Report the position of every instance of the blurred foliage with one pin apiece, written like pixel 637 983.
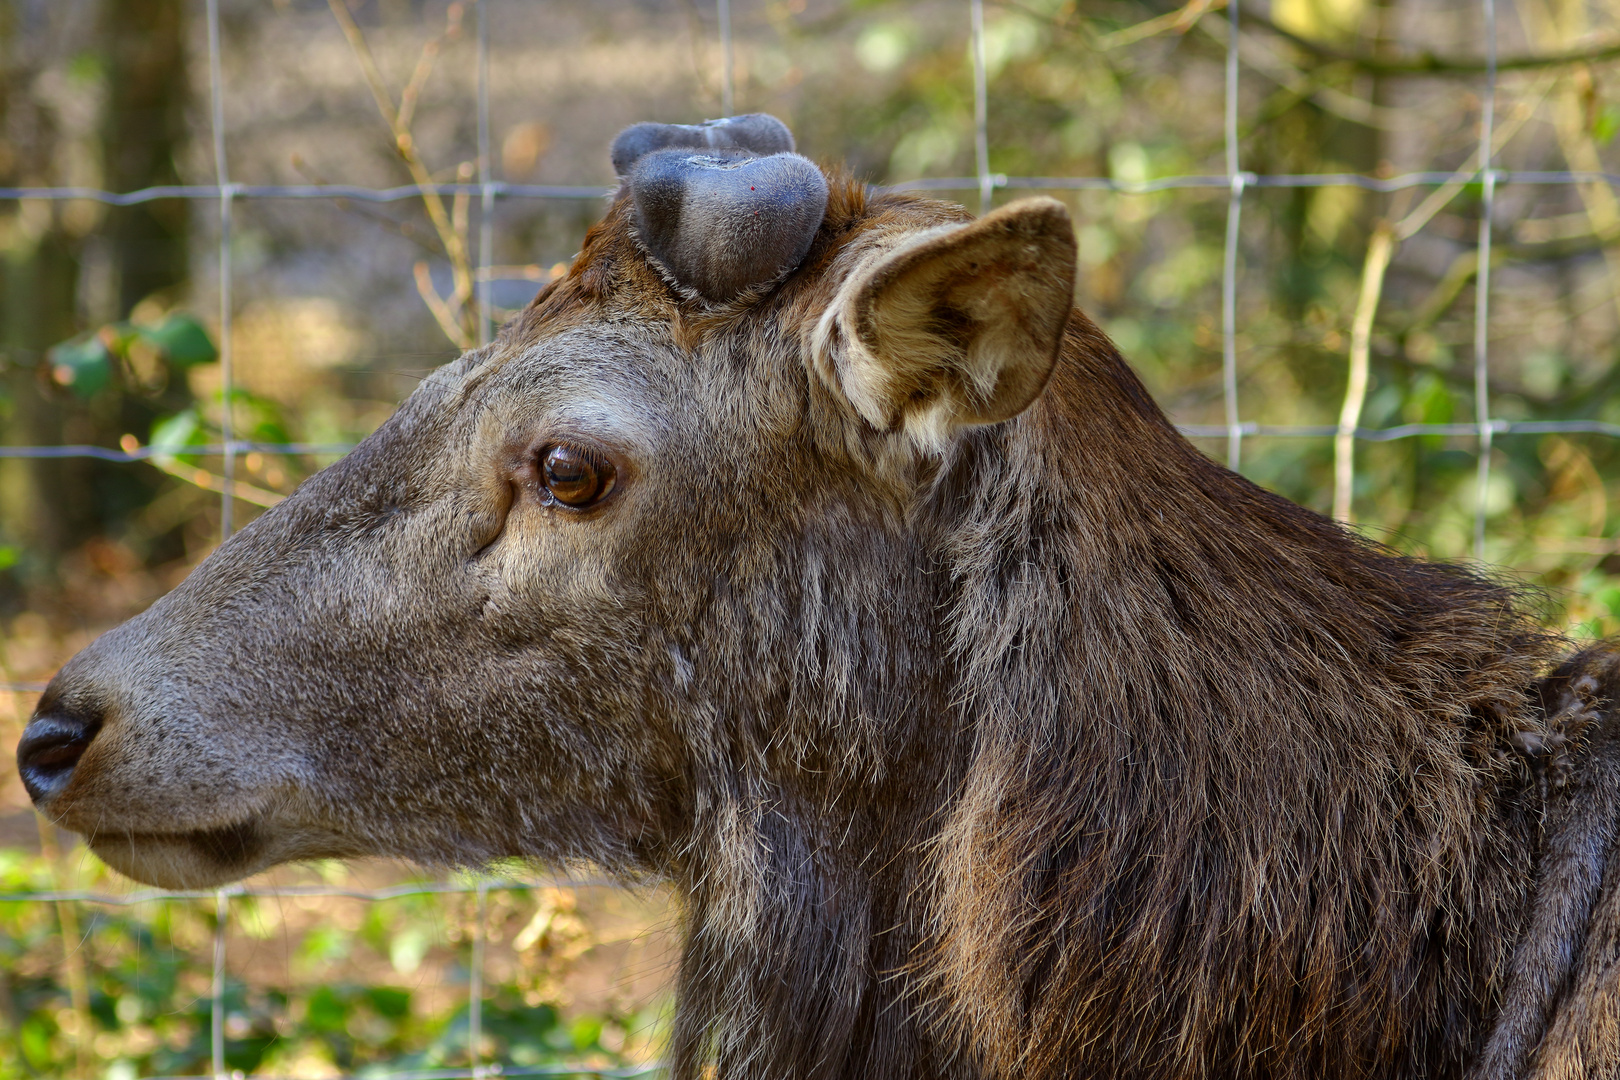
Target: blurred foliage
pixel 1133 91
pixel 143 357
pixel 1127 89
pixel 398 1000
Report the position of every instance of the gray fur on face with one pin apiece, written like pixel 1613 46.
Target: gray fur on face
pixel 724 221
pixel 759 133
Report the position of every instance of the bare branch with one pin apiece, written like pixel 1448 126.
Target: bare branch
pixel 1259 56
pixel 1424 63
pixel 454 243
pixel 206 480
pixel 1428 63
pixel 1181 20
pixel 424 66
pixel 1379 251
pixel 1445 292
pixel 1386 240
pixel 1440 196
pixel 441 312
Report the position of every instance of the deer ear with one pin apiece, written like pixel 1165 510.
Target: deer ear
pixel 958 326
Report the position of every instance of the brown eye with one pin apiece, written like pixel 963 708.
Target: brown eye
pixel 576 476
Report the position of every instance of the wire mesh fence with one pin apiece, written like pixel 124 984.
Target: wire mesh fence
pixel 1235 183
pixel 222 898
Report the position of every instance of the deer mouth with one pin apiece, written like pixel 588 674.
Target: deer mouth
pixel 195 859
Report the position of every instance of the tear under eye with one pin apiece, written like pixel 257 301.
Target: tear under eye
pixel 576 476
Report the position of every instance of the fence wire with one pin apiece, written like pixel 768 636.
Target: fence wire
pixel 1485 429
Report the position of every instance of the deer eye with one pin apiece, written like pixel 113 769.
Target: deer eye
pixel 577 476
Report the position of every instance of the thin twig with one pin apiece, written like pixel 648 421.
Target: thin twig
pixel 424 66
pixel 458 221
pixel 1445 292
pixel 209 482
pixel 1181 20
pixel 1412 223
pixel 454 243
pixel 1262 58
pixel 78 978
pixel 1379 251
pixel 441 312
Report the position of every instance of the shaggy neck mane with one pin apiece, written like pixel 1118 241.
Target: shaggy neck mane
pixel 1229 789
pixel 1197 710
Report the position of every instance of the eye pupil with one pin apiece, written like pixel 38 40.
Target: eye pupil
pixel 576 476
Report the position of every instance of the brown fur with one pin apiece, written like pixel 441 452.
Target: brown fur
pixel 1040 749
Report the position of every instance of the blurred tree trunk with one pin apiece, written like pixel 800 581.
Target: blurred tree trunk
pixel 114 119
pixel 144 129
pixel 39 272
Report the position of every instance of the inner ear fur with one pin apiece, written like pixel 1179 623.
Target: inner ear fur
pixel 959 326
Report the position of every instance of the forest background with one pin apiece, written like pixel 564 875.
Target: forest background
pixel 109 333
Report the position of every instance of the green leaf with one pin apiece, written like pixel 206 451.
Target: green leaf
pixel 82 366
pixel 406 950
pixel 1606 124
pixel 390 1001
pixel 323 944
pixel 1429 401
pixel 585 1031
pixel 182 429
pixel 326 1011
pixel 86 67
pixel 257 419
pixel 118 337
pixel 182 339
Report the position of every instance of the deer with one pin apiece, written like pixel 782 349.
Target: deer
pixel 805 548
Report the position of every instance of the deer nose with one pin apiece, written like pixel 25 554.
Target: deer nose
pixel 51 746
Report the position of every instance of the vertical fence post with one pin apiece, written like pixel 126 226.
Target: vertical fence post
pixel 1482 285
pixel 475 984
pixel 1234 217
pixel 216 86
pixel 981 108
pixel 486 192
pixel 728 88
pixel 222 911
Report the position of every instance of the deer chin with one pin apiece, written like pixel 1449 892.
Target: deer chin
pixel 205 858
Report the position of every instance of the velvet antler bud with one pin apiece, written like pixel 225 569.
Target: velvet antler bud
pixel 724 221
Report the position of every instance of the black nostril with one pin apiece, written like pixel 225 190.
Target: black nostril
pixel 51 746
